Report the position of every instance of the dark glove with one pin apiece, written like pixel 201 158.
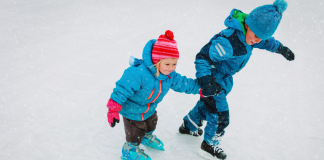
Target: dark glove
pixel 208 86
pixel 286 52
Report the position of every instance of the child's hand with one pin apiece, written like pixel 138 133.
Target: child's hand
pixel 208 86
pixel 212 90
pixel 113 117
pixel 286 52
pixel 113 112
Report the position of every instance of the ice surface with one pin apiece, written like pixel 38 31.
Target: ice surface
pixel 60 60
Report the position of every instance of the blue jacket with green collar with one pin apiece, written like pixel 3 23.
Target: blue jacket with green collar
pixel 139 91
pixel 227 52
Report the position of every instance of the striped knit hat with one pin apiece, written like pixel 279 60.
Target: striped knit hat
pixel 165 47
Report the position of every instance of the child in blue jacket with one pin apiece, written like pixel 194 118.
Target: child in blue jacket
pixel 222 57
pixel 141 88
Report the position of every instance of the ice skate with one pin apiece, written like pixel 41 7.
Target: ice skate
pixel 150 140
pixel 184 130
pixel 211 152
pixel 132 152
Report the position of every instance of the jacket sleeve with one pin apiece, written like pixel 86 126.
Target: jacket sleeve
pixel 203 68
pixel 220 49
pixel 128 84
pixel 270 44
pixel 183 84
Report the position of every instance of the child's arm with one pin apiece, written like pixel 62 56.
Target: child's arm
pixel 203 68
pixel 270 45
pixel 113 112
pixel 219 49
pixel 128 84
pixel 125 87
pixel 208 85
pixel 286 52
pixel 183 84
pixel 274 45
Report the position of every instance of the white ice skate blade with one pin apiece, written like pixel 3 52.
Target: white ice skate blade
pixel 206 155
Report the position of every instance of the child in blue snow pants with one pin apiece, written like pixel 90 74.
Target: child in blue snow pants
pixel 223 56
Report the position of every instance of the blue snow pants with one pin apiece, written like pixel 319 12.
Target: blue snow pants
pixel 216 121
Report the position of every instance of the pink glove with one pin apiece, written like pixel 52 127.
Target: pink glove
pixel 113 112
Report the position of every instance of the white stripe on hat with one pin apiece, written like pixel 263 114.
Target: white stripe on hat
pixel 168 43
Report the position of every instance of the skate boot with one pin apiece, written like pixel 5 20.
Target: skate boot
pixel 184 130
pixel 132 152
pixel 150 140
pixel 212 152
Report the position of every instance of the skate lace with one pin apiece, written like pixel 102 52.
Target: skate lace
pixel 194 133
pixel 217 149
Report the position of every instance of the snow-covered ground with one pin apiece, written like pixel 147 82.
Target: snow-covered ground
pixel 60 59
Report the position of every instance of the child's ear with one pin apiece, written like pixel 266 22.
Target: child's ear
pixel 246 27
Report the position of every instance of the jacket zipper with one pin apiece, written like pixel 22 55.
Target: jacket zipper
pixel 151 94
pixel 149 104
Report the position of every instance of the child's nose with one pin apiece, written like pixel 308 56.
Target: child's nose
pixel 258 40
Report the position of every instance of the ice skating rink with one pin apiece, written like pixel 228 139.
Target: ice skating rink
pixel 59 61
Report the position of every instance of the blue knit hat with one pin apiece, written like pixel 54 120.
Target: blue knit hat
pixel 264 20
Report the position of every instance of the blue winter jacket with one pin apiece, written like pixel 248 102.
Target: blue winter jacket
pixel 227 53
pixel 139 91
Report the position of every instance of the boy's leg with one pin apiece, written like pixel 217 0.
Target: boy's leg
pixel 214 130
pixel 194 119
pixel 210 147
pixel 217 121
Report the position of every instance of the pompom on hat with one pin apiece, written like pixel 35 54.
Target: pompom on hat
pixel 165 47
pixel 264 20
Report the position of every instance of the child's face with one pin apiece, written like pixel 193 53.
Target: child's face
pixel 250 37
pixel 168 65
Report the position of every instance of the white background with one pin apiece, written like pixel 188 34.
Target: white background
pixel 60 59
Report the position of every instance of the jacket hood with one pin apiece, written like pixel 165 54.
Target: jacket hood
pixel 236 20
pixel 147 60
